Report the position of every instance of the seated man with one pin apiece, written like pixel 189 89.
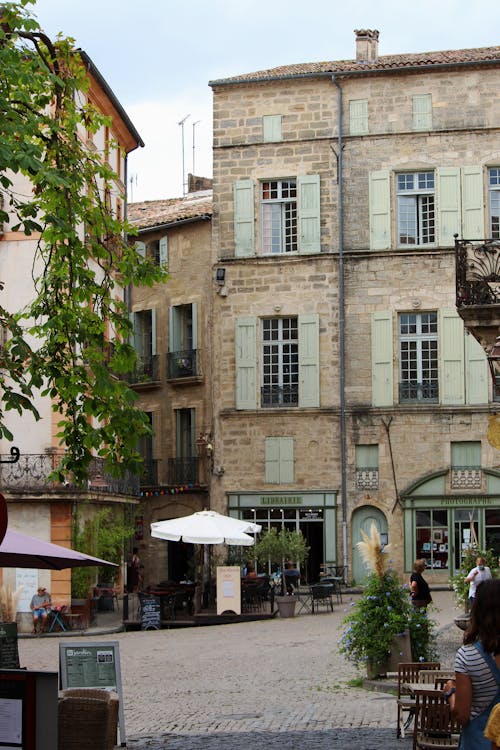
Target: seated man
pixel 40 604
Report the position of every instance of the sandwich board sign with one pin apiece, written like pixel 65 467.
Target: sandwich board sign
pixel 93 665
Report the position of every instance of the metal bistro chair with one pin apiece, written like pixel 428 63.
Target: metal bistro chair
pixel 322 593
pixel 409 672
pixel 435 726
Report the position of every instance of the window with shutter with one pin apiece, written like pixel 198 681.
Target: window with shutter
pixel 271 128
pixel 358 116
pixel 279 460
pixel 422 112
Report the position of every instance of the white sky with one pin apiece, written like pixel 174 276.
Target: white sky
pixel 158 56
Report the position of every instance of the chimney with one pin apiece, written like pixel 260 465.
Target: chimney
pixel 366 45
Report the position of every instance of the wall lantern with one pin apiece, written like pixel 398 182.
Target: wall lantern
pixel 493 358
pixel 203 445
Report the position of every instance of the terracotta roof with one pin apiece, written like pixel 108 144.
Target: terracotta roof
pixel 171 210
pixel 383 63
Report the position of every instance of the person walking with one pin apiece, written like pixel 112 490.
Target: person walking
pixel 476 687
pixel 478 574
pixel 420 592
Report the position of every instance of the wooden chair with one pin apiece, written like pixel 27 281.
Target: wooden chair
pixel 435 727
pixel 436 677
pixel 409 672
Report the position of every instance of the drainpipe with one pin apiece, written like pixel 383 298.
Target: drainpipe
pixel 343 450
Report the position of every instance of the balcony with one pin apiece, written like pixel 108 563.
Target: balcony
pixel 146 372
pixel 182 364
pixel 29 475
pixel 412 392
pixel 477 273
pixel 274 395
pixel 183 470
pixel 466 477
pixel 367 479
pixel 149 474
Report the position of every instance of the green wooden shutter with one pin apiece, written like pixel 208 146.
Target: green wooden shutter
pixel 472 203
pixel 246 363
pixel 286 460
pixel 164 251
pixel 466 454
pixel 272 459
pixel 382 356
pixel 358 116
pixel 449 205
pixel 140 248
pixel 476 372
pixel 194 323
pixel 308 212
pixel 366 456
pixel 380 210
pixel 174 330
pixel 422 112
pixel 451 344
pixel 271 128
pixel 244 242
pixel 153 331
pixel 308 359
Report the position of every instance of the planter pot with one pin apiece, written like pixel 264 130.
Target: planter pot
pixel 286 605
pixel 400 652
pixel 462 621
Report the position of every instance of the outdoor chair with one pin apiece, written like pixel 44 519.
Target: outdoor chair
pixel 435 726
pixel 409 672
pixel 436 677
pixel 87 718
pixel 322 593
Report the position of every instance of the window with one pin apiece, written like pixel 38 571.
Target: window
pixel 466 464
pixel 184 467
pixel 279 460
pixel 358 116
pixel 279 216
pixel 280 362
pixel 422 112
pixel 416 216
pixel 494 187
pixel 183 341
pixel 492 529
pixel 418 361
pixel 144 325
pixel 271 128
pixel 367 467
pixel 149 473
pixel 432 544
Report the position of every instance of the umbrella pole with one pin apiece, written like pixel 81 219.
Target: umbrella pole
pixel 198 589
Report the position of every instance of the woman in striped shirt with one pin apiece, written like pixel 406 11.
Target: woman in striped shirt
pixel 477 668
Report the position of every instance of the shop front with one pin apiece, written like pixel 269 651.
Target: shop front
pixel 440 526
pixel 312 513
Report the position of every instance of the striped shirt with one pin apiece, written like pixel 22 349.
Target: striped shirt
pixel 469 661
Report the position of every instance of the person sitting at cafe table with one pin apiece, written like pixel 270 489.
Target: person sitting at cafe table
pixel 292 577
pixel 250 571
pixel 40 605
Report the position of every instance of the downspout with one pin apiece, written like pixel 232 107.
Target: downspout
pixel 343 442
pixel 126 291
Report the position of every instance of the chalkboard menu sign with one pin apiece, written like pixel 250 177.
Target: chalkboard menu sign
pixel 150 613
pixel 9 654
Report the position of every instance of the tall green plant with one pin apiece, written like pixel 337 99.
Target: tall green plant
pixel 280 546
pixel 468 561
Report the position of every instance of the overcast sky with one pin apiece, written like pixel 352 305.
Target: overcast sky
pixel 159 55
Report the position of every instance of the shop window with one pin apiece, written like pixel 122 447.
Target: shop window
pixel 279 460
pixel 492 530
pixel 432 543
pixel 466 465
pixel 367 467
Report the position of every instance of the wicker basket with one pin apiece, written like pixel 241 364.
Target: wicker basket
pixel 87 718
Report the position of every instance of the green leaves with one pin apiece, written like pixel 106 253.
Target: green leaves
pixel 82 260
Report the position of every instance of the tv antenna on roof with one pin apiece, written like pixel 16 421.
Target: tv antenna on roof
pixel 181 123
pixel 194 125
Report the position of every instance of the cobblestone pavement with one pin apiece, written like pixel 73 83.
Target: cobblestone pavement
pixel 269 684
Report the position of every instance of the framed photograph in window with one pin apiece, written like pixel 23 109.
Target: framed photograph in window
pixel 437 536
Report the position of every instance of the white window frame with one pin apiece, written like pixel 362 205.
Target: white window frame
pixel 279 213
pixel 494 202
pixel 280 362
pixel 417 354
pixel 416 208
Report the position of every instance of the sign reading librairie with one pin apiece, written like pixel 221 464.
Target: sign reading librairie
pixel 93 665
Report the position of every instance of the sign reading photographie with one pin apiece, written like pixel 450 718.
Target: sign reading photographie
pixel 93 665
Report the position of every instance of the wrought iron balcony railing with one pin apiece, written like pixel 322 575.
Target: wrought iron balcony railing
pixel 30 474
pixel 477 272
pixel 367 479
pixel 147 371
pixel 183 470
pixel 412 392
pixel 274 395
pixel 183 364
pixel 466 477
pixel 149 473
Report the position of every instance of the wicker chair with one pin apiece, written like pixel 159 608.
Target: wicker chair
pixel 87 718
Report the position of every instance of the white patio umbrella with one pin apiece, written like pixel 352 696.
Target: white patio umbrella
pixel 206 527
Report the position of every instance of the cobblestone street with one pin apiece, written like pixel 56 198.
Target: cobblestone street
pixel 275 683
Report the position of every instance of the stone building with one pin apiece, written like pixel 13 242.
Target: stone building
pixel 346 389
pixel 172 327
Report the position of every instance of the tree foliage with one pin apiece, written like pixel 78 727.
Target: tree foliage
pixel 60 342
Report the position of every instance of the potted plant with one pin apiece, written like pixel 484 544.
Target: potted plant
pixel 277 547
pixel 383 620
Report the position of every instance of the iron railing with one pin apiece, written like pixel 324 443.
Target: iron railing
pixel 183 470
pixel 410 391
pixel 183 364
pixel 274 395
pixel 147 371
pixel 149 473
pixel 477 272
pixel 30 474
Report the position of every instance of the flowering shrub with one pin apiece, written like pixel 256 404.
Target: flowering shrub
pixel 382 612
pixel 468 561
